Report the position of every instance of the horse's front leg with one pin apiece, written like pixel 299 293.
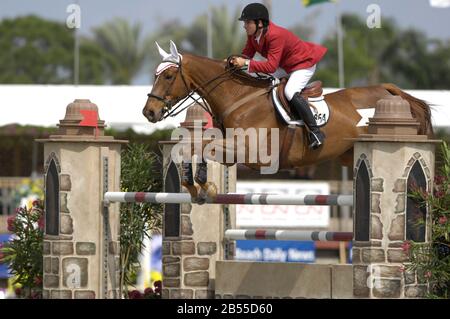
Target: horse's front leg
pixel 208 189
pixel 187 181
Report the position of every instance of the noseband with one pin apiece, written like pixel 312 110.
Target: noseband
pixel 168 103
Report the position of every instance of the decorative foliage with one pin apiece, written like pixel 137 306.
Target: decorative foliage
pixel 138 220
pixel 149 293
pixel 28 191
pixel 24 253
pixel 431 260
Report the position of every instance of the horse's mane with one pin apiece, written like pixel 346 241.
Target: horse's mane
pixel 237 74
pixel 247 79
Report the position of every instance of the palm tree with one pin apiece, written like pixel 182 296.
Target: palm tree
pixel 227 35
pixel 305 29
pixel 126 50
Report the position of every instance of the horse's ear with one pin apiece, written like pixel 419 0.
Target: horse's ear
pixel 163 53
pixel 174 51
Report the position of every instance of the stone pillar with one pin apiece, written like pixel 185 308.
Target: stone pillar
pixel 81 243
pixel 191 248
pixel 383 172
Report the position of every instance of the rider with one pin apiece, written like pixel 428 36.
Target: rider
pixel 282 49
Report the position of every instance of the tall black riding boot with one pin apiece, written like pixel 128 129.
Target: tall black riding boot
pixel 316 137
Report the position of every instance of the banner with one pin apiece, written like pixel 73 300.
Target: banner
pixel 282 216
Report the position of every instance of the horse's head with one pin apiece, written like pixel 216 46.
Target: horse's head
pixel 170 85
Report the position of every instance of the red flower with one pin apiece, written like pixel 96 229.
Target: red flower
pixel 439 194
pixel 439 179
pixel 442 220
pixel 37 280
pixel 10 222
pixel 18 292
pixel 36 202
pixel 428 274
pixel 35 295
pixel 135 294
pixel 406 246
pixel 402 268
pixel 41 222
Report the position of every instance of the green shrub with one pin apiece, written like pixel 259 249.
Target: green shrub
pixel 141 172
pixel 431 261
pixel 23 254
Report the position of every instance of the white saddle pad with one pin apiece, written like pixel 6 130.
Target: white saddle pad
pixel 319 109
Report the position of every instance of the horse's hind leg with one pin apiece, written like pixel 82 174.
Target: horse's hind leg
pixel 346 159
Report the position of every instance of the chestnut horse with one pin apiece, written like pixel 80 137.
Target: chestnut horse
pixel 179 75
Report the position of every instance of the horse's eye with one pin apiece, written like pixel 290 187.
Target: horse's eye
pixel 168 77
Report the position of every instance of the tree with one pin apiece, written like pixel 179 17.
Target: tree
pixel 363 49
pixel 124 47
pixel 420 62
pixel 227 35
pixel 389 54
pixel 169 30
pixel 305 29
pixel 34 50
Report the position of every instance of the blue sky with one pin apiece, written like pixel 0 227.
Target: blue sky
pixel 416 14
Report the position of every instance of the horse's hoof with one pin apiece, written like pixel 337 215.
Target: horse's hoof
pixel 210 189
pixel 202 196
pixel 200 201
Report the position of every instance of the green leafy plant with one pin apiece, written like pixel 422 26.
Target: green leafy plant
pixel 431 260
pixel 138 220
pixel 23 254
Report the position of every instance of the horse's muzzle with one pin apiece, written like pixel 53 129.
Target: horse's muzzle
pixel 150 115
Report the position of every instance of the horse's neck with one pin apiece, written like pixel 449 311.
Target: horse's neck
pixel 220 92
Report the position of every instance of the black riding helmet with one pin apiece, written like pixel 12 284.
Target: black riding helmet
pixel 255 11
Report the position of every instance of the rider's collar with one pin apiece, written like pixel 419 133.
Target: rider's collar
pixel 258 37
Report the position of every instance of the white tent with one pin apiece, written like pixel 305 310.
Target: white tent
pixel 121 106
pixel 44 105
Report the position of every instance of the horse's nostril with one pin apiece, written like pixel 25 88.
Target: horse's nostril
pixel 151 114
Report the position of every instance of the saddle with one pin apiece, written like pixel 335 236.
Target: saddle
pixel 313 89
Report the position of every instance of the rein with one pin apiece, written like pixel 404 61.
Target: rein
pixel 168 104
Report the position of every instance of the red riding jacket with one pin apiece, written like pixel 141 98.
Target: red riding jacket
pixel 282 49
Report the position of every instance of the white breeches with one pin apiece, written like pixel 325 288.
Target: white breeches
pixel 297 79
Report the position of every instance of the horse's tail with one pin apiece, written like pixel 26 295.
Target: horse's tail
pixel 420 109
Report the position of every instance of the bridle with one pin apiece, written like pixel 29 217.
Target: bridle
pixel 169 103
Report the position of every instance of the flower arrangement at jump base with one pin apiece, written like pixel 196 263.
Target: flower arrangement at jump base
pixel 149 293
pixel 23 254
pixel 28 191
pixel 431 260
